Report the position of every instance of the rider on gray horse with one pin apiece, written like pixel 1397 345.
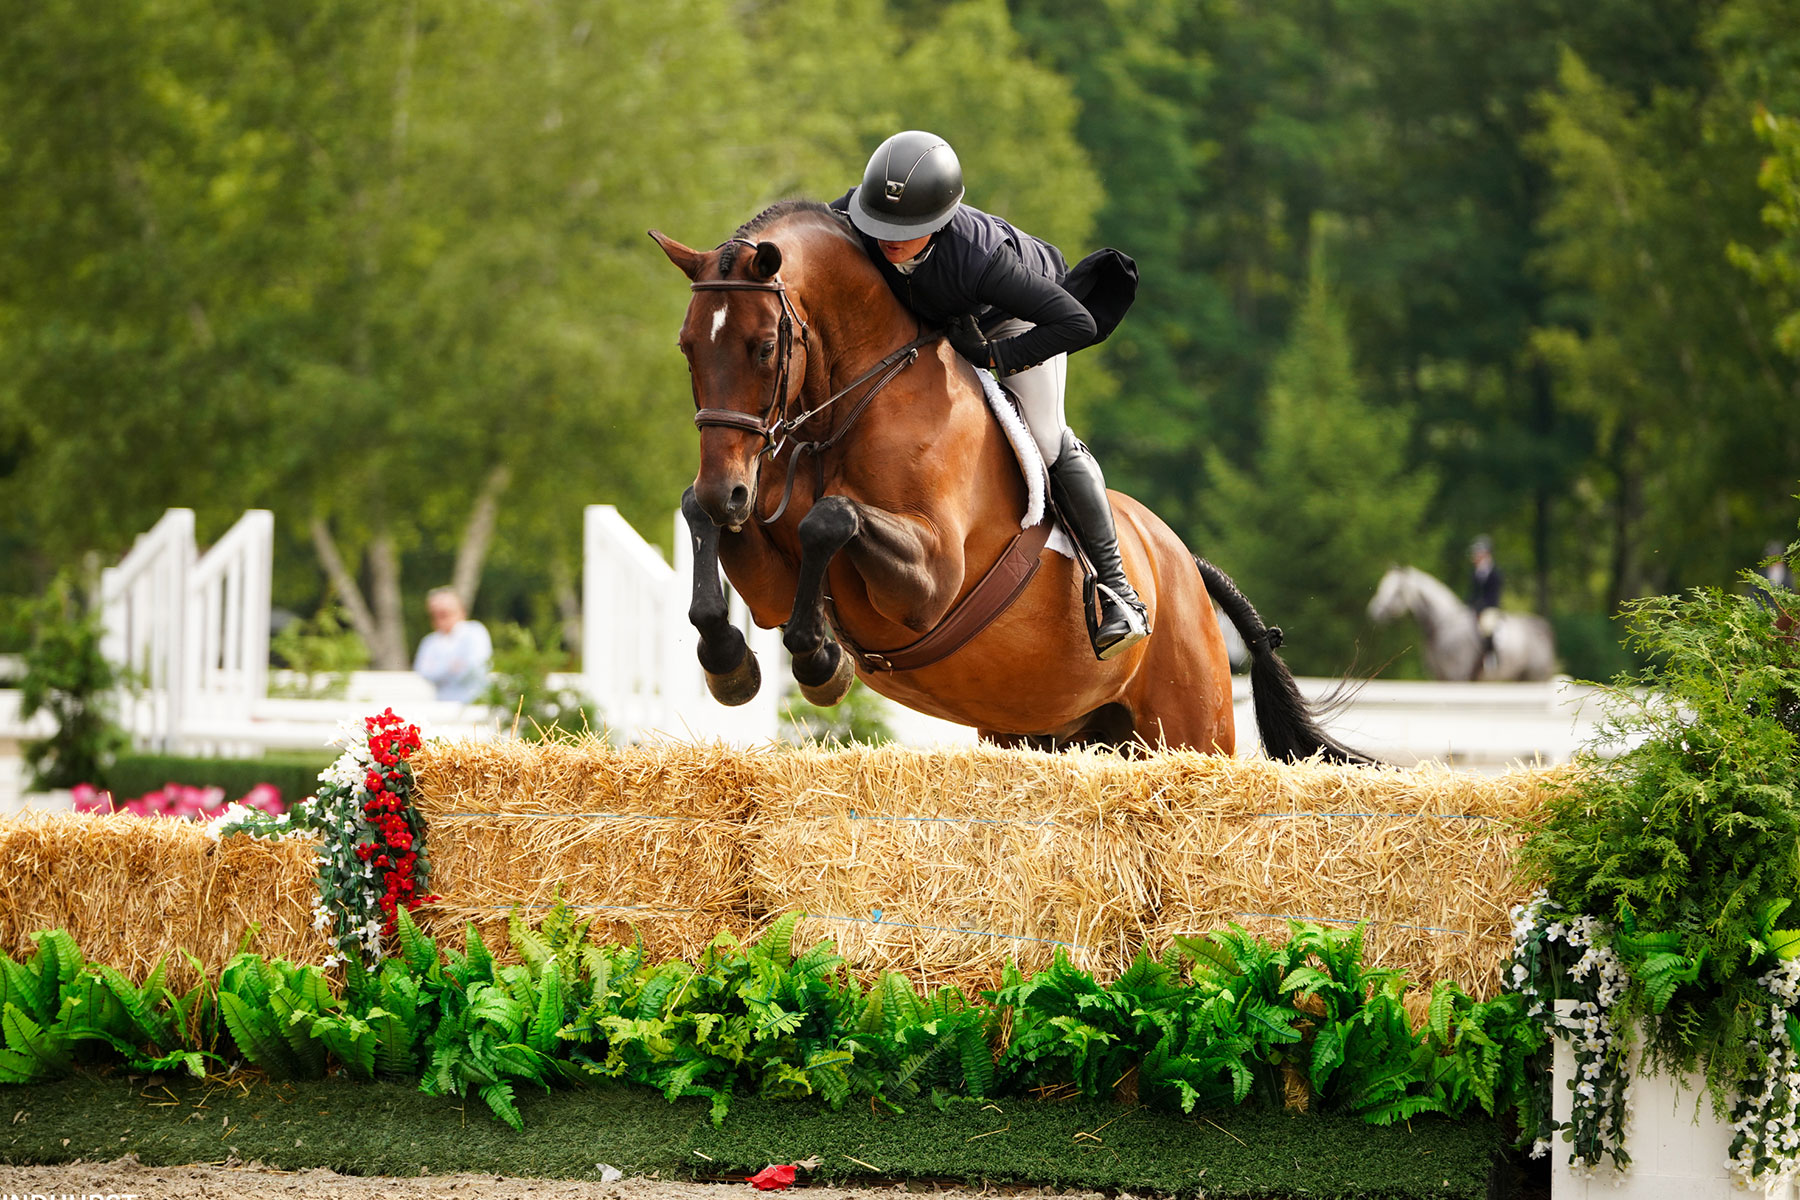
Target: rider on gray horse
pixel 1010 303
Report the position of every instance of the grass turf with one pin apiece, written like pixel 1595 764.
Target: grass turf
pixel 393 1129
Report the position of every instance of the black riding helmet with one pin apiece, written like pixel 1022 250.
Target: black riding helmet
pixel 910 188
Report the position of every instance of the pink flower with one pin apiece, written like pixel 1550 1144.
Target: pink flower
pixel 89 799
pixel 266 797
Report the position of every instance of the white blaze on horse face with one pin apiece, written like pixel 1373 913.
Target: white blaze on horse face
pixel 718 321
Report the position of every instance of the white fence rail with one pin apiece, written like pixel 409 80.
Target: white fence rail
pixel 638 661
pixel 141 603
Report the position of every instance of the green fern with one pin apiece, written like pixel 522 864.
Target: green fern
pixel 420 952
pixel 62 960
pixel 292 1018
pixel 499 1097
pixel 552 1004
pixel 35 992
pixel 45 1051
pixel 150 1025
pixel 778 942
pixel 977 1060
pixel 479 958
pixel 533 949
pixel 257 1038
pixel 350 1040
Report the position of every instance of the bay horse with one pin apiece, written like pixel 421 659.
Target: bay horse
pixel 855 487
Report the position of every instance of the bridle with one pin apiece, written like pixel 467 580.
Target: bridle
pixel 774 425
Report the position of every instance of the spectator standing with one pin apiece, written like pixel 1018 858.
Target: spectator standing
pixel 454 656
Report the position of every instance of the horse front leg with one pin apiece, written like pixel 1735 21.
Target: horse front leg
pixel 821 668
pixel 732 675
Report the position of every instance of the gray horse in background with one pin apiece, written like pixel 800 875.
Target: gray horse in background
pixel 1524 648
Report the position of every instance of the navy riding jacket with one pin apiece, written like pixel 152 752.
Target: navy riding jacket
pixel 1484 589
pixel 982 266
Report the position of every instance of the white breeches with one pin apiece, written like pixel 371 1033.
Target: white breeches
pixel 1039 392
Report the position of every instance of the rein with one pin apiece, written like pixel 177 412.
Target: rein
pixel 775 426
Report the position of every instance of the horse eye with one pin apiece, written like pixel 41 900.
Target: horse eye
pixel 768 352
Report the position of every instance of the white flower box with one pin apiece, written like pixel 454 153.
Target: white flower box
pixel 1678 1147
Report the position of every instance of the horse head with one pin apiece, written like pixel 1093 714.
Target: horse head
pixel 1392 598
pixel 745 342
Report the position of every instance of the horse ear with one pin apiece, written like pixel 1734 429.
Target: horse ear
pixel 687 258
pixel 767 260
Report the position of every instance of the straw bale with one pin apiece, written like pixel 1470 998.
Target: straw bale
pixel 945 864
pixel 131 890
pixel 1424 856
pixel 648 839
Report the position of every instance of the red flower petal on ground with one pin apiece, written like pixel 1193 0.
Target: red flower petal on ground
pixel 773 1178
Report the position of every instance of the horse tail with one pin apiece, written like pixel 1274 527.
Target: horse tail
pixel 1288 725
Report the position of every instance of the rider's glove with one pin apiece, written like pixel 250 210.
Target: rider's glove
pixel 966 338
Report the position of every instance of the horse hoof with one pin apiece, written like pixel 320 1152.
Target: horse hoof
pixel 834 689
pixel 739 685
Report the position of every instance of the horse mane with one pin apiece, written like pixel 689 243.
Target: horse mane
pixel 769 216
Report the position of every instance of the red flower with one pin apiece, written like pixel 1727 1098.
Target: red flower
pixel 774 1178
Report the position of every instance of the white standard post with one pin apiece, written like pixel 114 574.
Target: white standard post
pixel 227 645
pixel 625 589
pixel 142 607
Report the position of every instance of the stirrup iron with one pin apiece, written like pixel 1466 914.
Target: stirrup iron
pixel 1095 597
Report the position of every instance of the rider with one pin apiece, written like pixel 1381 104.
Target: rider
pixel 1008 302
pixel 1484 591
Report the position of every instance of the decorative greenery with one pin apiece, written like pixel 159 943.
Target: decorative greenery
pixel 323 652
pixel 372 860
pixel 68 677
pixel 56 1008
pixel 1667 871
pixel 760 1019
pixel 1560 957
pixel 1764 1138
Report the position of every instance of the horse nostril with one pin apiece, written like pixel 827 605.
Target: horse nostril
pixel 740 498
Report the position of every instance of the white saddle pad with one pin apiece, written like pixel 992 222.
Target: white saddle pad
pixel 1031 461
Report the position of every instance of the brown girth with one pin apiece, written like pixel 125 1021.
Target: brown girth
pixel 970 615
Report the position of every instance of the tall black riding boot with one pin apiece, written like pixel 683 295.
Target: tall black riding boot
pixel 1079 490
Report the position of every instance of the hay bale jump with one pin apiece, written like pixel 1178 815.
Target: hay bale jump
pixel 651 838
pixel 131 890
pixel 947 864
pixel 943 864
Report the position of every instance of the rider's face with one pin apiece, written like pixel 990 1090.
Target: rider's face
pixel 899 252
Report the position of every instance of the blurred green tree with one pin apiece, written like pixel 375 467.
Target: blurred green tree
pixel 1326 504
pixel 1658 337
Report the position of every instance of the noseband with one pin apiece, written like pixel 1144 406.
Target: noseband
pixel 774 426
